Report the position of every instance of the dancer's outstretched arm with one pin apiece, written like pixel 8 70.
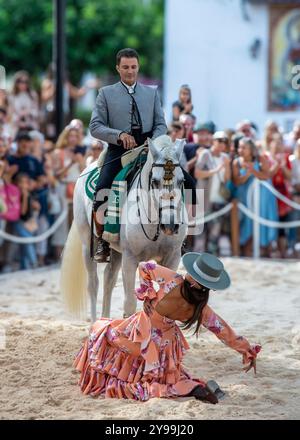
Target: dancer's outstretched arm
pixel 225 333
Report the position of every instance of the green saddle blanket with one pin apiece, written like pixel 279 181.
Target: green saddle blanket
pixel 116 197
pixel 91 182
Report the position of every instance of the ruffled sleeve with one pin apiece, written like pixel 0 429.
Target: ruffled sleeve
pixel 150 271
pixel 225 333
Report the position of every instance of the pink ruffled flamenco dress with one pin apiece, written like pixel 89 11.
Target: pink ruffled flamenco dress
pixel 141 357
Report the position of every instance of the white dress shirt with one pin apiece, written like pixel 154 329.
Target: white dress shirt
pixel 131 89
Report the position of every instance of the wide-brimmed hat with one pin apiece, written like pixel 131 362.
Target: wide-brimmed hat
pixel 207 270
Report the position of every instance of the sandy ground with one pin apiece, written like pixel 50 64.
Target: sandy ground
pixel 38 342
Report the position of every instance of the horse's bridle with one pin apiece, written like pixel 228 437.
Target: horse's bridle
pixel 169 168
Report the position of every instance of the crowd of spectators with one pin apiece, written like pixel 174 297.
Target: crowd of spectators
pixel 38 175
pixel 224 164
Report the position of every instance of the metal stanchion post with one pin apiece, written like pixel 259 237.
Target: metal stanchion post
pixel 235 229
pixel 256 225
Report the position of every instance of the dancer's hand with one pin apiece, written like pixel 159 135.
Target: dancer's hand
pixel 250 366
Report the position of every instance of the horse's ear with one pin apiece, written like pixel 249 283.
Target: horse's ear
pixel 152 147
pixel 179 145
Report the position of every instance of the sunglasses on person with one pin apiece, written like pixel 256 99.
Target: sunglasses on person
pixel 22 81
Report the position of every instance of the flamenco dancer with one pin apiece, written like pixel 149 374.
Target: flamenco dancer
pixel 141 357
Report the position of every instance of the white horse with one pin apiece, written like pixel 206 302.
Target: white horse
pixel 140 240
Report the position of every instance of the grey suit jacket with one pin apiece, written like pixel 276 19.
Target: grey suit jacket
pixel 112 112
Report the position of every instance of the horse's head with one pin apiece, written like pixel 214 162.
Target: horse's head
pixel 166 181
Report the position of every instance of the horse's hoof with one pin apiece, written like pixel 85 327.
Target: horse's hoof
pixel 101 257
pixel 101 260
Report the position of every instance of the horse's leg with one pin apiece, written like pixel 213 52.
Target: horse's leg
pixel 110 278
pixel 93 282
pixel 172 260
pixel 129 266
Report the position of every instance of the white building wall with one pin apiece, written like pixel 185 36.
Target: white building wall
pixel 207 46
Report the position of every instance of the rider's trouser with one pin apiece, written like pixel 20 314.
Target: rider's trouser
pixel 107 174
pixel 109 171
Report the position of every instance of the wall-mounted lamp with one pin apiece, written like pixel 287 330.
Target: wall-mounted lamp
pixel 255 48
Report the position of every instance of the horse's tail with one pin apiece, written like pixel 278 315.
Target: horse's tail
pixel 73 278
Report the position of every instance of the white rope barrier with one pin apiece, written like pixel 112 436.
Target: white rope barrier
pixel 274 191
pixel 280 196
pixel 217 214
pixel 37 239
pixel 207 218
pixel 265 222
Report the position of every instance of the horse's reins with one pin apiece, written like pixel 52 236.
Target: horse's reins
pixel 145 145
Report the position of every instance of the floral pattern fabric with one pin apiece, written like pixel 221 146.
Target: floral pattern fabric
pixel 142 356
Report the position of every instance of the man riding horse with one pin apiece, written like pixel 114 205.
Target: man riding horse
pixel 125 115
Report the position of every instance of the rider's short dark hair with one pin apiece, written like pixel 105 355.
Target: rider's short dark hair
pixel 126 53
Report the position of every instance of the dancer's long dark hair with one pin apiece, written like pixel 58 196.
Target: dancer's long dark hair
pixel 197 297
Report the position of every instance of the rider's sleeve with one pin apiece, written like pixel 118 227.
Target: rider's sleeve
pixel 159 123
pixel 99 122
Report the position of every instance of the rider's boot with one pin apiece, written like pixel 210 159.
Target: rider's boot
pixel 102 254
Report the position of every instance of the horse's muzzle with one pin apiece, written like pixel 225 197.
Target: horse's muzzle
pixel 170 229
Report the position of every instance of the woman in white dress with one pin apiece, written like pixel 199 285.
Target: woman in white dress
pixel 23 104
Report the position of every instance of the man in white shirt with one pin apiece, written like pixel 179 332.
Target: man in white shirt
pixel 212 171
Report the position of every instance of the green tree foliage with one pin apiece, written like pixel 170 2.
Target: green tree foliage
pixel 95 30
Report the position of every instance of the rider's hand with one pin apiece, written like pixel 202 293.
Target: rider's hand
pixel 127 141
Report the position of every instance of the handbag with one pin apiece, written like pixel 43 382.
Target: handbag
pixel 224 191
pixel 11 201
